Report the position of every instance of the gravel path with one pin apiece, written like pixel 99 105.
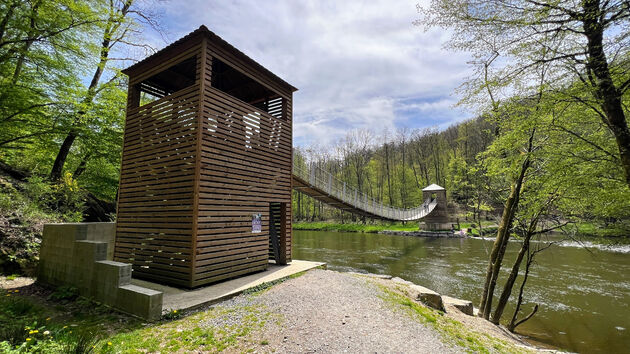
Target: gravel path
pixel 330 312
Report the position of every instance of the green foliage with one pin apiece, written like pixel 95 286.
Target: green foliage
pixel 64 293
pixel 56 78
pixel 396 170
pixel 24 209
pixel 172 315
pixel 83 343
pixel 64 197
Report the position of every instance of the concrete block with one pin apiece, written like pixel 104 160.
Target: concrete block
pixel 139 301
pixel 462 305
pixel 56 249
pixel 104 232
pixel 108 277
pixel 426 296
pixel 82 264
pixel 80 255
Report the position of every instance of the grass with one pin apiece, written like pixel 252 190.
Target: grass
pixel 612 233
pixel 354 227
pixel 489 228
pixel 210 330
pixel 450 330
pixel 33 320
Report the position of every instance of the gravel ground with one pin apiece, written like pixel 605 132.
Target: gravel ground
pixel 329 312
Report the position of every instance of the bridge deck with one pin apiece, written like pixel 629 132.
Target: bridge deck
pixel 323 186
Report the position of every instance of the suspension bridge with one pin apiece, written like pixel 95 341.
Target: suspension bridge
pixel 323 186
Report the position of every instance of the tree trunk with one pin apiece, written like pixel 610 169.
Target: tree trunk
pixel 507 288
pixel 503 235
pixel 606 90
pixel 62 155
pixel 389 183
pixel 7 17
pixel 519 302
pixel 82 166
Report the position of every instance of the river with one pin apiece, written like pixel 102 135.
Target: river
pixel 584 294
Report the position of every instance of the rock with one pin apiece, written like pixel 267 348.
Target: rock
pixel 401 281
pixel 378 276
pixel 372 275
pixel 462 305
pixel 426 296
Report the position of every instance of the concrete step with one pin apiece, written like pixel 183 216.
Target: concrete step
pixel 80 255
pixel 139 301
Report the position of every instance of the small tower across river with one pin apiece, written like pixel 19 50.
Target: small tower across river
pixel 205 187
pixel 438 219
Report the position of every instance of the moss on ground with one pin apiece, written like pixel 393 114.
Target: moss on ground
pixel 451 331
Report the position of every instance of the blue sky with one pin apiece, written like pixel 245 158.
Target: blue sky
pixel 357 64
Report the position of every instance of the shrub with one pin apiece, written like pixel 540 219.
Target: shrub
pixel 64 197
pixel 64 293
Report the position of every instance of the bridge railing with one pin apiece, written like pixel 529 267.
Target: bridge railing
pixel 327 182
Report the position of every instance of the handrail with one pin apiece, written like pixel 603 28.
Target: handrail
pixel 326 182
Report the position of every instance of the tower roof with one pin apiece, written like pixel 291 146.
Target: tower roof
pixel 433 187
pixel 204 31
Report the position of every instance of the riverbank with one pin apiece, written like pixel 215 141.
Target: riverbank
pixel 354 227
pixel 322 311
pixel 385 228
pixel 573 286
pixel 587 232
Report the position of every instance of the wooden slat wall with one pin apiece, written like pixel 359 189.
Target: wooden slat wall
pixel 187 196
pixel 245 165
pixel 155 212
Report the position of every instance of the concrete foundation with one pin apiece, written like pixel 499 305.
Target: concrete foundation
pixel 187 299
pixel 435 226
pixel 80 255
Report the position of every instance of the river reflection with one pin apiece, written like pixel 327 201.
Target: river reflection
pixel 584 295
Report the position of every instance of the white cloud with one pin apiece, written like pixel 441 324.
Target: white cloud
pixel 357 64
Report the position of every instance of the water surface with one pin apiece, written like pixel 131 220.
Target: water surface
pixel 584 294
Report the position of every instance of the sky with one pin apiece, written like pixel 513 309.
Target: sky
pixel 356 64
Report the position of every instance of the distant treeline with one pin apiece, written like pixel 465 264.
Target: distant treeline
pixel 394 167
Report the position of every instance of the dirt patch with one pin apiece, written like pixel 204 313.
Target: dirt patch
pixel 330 312
pixel 20 283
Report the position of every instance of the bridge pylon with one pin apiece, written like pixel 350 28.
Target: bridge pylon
pixel 438 219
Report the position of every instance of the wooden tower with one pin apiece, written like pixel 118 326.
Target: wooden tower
pixel 205 185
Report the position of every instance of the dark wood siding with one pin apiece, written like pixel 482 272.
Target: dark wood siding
pixel 196 166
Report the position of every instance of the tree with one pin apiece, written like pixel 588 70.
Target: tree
pixel 40 61
pixel 119 25
pixel 584 42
